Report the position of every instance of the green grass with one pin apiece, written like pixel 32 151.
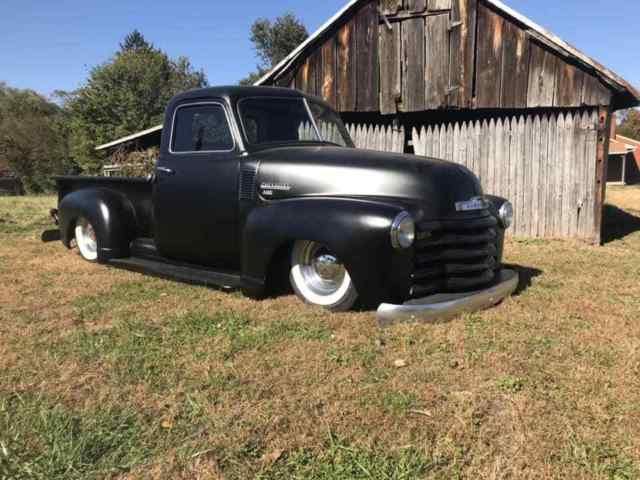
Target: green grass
pixel 111 374
pixel 342 462
pixel 136 351
pixel 42 439
pixel 18 217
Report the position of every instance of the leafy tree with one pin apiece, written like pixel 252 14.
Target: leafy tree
pixel 127 94
pixel 33 138
pixel 273 41
pixel 630 126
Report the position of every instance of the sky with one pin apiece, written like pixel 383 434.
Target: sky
pixel 48 45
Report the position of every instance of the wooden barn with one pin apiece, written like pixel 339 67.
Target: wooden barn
pixel 474 82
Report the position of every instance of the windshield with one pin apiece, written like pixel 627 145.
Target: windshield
pixel 288 120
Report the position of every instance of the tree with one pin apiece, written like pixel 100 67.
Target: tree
pixel 272 42
pixel 630 126
pixel 135 41
pixel 125 95
pixel 33 138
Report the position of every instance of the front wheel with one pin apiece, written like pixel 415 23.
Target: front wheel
pixel 319 278
pixel 86 240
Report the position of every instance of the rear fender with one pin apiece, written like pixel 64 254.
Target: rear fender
pixel 356 230
pixel 111 215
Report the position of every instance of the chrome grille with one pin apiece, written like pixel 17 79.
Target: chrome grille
pixel 454 256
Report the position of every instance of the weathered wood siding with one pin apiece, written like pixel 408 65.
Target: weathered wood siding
pixel 393 56
pixel 545 164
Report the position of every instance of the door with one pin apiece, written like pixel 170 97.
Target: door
pixel 196 190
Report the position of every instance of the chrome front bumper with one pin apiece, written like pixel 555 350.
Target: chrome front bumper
pixel 440 307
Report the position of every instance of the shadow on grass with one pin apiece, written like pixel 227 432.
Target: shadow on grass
pixel 527 274
pixel 618 224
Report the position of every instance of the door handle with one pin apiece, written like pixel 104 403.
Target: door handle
pixel 166 171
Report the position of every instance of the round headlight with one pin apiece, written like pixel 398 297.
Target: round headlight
pixel 506 214
pixel 403 231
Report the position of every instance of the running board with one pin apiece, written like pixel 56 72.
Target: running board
pixel 182 273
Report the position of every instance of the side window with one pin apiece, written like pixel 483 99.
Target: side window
pixel 201 128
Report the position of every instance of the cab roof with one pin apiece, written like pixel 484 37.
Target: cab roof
pixel 227 92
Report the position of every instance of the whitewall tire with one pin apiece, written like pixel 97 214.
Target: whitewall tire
pixel 86 240
pixel 319 278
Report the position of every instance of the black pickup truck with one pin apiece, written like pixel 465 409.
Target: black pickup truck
pixel 255 184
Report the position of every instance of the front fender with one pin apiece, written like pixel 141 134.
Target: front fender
pixel 110 213
pixel 356 230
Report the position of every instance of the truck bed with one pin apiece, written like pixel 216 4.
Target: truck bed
pixel 138 191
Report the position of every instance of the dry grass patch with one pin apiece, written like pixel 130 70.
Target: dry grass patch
pixel 109 373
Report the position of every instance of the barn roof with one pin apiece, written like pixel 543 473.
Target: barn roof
pixel 129 138
pixel 615 82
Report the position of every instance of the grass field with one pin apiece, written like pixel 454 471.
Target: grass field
pixel 106 373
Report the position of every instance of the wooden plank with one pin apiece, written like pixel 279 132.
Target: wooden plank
pixel 594 93
pixel 489 65
pixel 434 142
pixel 328 88
pixel 416 6
pixel 521 149
pixel 592 152
pixel 550 169
pixel 462 41
pixel 558 175
pixel 569 84
pixel 443 142
pixel 346 68
pixel 417 139
pixel 481 158
pixel 568 169
pixel 413 73
pixel 390 68
pixel 577 186
pixel 437 58
pixel 542 77
pixel 314 72
pixel 498 157
pixel 472 147
pixel 602 154
pixel 515 67
pixel 456 143
pixel 541 186
pixel 580 167
pixel 367 70
pixel 449 146
pixel 436 5
pixel 302 77
pixel 532 137
pixel 514 157
pixel 579 176
pixel 477 139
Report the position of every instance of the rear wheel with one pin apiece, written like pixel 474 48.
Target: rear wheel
pixel 318 277
pixel 86 240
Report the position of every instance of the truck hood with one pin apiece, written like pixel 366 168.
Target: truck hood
pixel 302 171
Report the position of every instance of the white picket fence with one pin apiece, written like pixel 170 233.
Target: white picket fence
pixel 378 137
pixel 545 164
pixel 370 137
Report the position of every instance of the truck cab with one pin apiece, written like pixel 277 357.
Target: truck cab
pixel 256 183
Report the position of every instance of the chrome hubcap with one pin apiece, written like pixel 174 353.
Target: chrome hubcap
pixel 322 270
pixel 89 237
pixel 86 239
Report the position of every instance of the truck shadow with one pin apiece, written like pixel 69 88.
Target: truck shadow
pixel 618 224
pixel 527 274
